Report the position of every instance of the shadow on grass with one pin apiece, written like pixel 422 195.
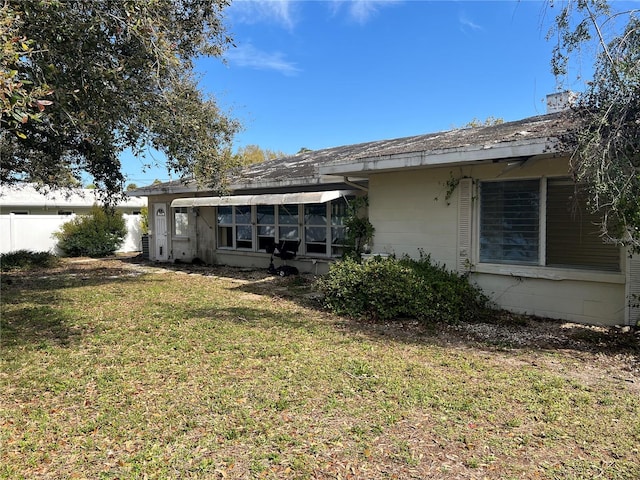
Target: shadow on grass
pixel 37 325
pixel 33 308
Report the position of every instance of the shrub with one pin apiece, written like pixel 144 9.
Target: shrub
pixel 95 235
pixel 26 259
pixel 390 288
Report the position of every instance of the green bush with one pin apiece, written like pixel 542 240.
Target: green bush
pixel 95 235
pixel 26 259
pixel 389 288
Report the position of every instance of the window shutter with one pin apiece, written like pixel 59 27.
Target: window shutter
pixel 465 223
pixel 632 316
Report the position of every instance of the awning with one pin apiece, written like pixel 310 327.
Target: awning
pixel 266 199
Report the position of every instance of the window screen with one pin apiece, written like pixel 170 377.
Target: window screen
pixel 509 222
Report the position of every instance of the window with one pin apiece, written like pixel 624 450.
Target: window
pixel 315 228
pixel 541 222
pixel 288 222
pixel 244 236
pixel 509 222
pixel 573 232
pixel 258 227
pixel 180 221
pixel 65 212
pixel 338 230
pixel 266 226
pixel 225 227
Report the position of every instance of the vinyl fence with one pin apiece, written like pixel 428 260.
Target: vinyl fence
pixel 35 232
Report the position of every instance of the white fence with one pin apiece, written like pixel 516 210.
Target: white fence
pixel 35 232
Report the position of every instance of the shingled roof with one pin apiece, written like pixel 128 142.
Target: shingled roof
pixel 303 169
pixel 306 165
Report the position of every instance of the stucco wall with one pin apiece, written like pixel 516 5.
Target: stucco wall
pixel 410 211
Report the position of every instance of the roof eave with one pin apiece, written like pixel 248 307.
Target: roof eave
pixel 286 183
pixel 448 157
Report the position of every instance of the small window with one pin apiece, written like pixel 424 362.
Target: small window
pixel 315 228
pixel 339 209
pixel 288 219
pixel 65 212
pixel 244 235
pixel 266 226
pixel 181 221
pixel 225 227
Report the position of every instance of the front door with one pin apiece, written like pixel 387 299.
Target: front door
pixel 160 233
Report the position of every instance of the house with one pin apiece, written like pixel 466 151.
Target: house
pixel 29 216
pixel 495 202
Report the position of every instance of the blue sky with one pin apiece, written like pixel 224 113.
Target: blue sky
pixel 319 74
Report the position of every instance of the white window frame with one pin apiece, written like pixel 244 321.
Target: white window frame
pixel 180 211
pixel 226 225
pixel 541 270
pixel 299 225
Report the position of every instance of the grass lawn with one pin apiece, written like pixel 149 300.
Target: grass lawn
pixel 112 369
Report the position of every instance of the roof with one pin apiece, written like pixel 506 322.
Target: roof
pixel 531 136
pixel 27 195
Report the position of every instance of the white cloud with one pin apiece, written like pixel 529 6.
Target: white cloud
pixel 361 10
pixel 467 23
pixel 256 11
pixel 251 57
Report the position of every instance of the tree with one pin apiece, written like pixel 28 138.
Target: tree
pixel 606 143
pixel 83 80
pixel 254 154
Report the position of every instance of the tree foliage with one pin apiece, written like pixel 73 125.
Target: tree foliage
pixel 97 234
pixel 607 141
pixel 254 154
pixel 83 80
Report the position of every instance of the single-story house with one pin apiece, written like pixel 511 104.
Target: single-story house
pixel 29 216
pixel 494 201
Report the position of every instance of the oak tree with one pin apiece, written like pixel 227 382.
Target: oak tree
pixel 83 80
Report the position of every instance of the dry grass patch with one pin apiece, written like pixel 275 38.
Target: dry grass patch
pixel 120 370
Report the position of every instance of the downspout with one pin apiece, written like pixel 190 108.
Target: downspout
pixel 354 185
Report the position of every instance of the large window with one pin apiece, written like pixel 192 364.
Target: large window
pixel 319 227
pixel 180 221
pixel 573 233
pixel 541 222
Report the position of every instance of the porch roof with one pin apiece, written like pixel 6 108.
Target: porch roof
pixel 266 199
